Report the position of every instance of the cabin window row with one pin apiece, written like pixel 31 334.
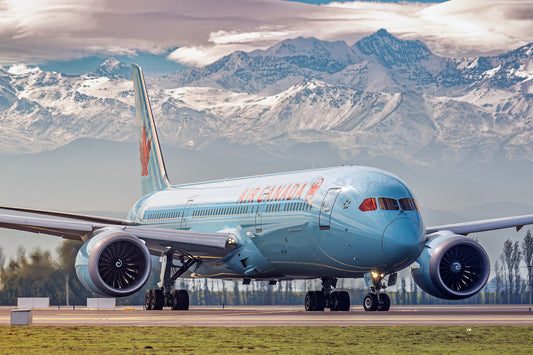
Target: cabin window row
pixel 159 215
pixel 389 204
pixel 223 211
pixel 226 211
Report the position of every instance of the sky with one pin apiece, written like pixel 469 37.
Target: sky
pixel 169 35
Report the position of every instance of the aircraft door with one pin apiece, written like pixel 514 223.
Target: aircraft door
pixel 185 213
pixel 259 212
pixel 324 218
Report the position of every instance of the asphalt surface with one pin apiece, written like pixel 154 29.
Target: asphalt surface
pixel 244 316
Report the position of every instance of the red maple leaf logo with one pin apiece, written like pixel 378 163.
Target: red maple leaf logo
pixel 313 189
pixel 145 147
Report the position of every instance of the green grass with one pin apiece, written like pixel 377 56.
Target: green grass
pixel 293 340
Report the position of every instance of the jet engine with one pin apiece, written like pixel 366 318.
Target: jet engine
pixel 451 267
pixel 113 263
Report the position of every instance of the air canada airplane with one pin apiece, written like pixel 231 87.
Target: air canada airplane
pixel 342 222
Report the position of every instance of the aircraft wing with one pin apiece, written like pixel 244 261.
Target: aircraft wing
pixel 157 239
pixel 485 225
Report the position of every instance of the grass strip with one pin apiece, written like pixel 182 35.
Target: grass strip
pixel 294 340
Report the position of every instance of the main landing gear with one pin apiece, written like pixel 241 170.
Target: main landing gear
pixel 376 300
pixel 165 296
pixel 319 300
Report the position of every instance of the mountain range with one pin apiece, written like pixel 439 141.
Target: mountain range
pixel 380 97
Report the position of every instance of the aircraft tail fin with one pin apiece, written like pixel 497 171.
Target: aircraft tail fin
pixel 153 172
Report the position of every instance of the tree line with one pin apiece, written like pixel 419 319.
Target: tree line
pixel 38 274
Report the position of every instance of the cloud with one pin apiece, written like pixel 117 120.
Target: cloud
pixel 21 69
pixel 33 31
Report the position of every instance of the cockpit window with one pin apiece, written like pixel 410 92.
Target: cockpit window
pixel 388 203
pixel 368 205
pixel 416 205
pixel 407 204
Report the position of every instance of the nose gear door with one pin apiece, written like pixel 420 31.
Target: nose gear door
pixel 324 218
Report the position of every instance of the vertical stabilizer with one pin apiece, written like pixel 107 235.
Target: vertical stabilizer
pixel 153 172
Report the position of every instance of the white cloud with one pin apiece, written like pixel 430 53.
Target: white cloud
pixel 21 69
pixel 37 30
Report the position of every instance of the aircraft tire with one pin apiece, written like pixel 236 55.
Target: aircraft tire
pixel 159 300
pixel 334 301
pixel 384 302
pixel 309 301
pixel 148 300
pixel 371 302
pixel 343 301
pixel 152 299
pixel 174 299
pixel 320 301
pixel 315 301
pixel 340 301
pixel 182 300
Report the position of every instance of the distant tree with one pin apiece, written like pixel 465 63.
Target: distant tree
pixel 77 293
pixel 499 282
pixel 517 255
pixel 35 276
pixel 2 258
pixel 507 258
pixel 527 255
pixel 236 293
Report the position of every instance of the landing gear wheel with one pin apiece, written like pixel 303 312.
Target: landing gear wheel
pixel 315 301
pixel 148 300
pixel 152 300
pixel 384 302
pixel 181 300
pixel 174 299
pixel 310 301
pixel 340 301
pixel 320 301
pixel 343 301
pixel 371 302
pixel 158 300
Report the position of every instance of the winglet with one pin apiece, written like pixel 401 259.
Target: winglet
pixel 153 172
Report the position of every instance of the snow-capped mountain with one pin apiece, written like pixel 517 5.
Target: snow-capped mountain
pixel 381 96
pixel 113 67
pixel 380 62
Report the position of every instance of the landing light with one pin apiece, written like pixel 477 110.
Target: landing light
pixel 376 275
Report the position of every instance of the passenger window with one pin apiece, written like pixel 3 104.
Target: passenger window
pixel 406 204
pixel 388 203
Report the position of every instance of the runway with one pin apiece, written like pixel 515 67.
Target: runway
pixel 245 316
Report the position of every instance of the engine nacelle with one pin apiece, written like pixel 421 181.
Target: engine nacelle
pixel 452 267
pixel 113 263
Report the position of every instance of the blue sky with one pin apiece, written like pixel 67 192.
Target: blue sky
pixel 169 35
pixel 151 63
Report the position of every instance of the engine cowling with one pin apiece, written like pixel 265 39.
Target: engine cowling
pixel 452 267
pixel 113 263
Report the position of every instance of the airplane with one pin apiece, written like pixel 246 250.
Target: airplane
pixel 330 223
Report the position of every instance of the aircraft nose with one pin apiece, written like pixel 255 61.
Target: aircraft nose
pixel 402 241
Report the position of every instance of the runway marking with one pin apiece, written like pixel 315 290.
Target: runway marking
pixel 284 316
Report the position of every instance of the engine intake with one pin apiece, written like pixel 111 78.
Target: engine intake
pixel 452 267
pixel 113 263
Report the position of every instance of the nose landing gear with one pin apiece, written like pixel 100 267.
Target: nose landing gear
pixel 319 300
pixel 377 300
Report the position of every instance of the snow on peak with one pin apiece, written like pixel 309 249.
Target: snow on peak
pixel 113 67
